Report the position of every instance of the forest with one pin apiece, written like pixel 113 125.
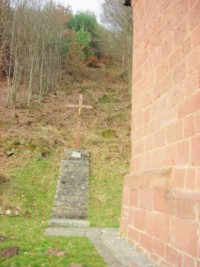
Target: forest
pixel 41 41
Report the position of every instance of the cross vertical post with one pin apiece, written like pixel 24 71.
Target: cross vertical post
pixel 80 106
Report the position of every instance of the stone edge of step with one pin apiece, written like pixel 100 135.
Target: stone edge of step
pixel 68 223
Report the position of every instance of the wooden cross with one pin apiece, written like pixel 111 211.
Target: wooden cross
pixel 80 106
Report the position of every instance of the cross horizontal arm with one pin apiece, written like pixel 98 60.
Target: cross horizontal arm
pixel 90 107
pixel 72 106
pixel 77 106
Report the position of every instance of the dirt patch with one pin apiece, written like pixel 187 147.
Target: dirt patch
pixel 56 252
pixel 4 179
pixel 9 252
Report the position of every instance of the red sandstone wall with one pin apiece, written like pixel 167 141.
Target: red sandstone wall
pixel 161 195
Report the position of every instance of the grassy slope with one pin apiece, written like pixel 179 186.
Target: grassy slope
pixel 33 181
pixel 34 186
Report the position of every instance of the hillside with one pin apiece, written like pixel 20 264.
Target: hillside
pixel 31 146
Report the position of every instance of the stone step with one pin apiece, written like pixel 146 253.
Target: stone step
pixel 67 206
pixel 72 193
pixel 71 198
pixel 66 184
pixel 67 175
pixel 64 231
pixel 68 223
pixel 72 203
pixel 68 198
pixel 82 167
pixel 69 210
pixel 63 201
pixel 71 215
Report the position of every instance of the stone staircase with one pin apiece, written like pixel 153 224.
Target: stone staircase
pixel 71 200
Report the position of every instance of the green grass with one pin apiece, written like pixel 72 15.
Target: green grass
pixel 106 194
pixel 108 133
pixel 33 188
pixel 33 245
pixel 106 99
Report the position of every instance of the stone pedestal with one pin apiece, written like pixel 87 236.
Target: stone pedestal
pixel 71 200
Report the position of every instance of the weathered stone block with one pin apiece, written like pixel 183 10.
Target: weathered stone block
pixel 71 198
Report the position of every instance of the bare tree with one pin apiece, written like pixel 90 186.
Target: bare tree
pixel 117 36
pixel 31 37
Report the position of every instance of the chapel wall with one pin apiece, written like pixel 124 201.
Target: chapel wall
pixel 161 194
